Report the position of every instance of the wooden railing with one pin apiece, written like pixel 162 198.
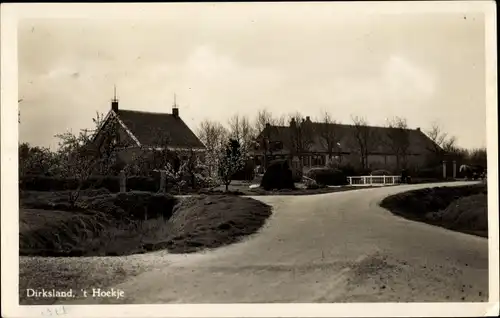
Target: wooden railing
pixel 374 180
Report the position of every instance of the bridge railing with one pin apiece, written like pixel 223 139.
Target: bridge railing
pixel 374 180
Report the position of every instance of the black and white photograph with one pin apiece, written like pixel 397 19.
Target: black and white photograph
pixel 206 156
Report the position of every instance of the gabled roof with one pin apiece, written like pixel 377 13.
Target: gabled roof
pixel 419 143
pixel 148 129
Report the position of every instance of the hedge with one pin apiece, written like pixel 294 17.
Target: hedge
pixel 328 176
pixel 111 183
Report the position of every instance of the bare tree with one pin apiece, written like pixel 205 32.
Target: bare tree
pixel 441 142
pixel 301 136
pixel 266 143
pixel 214 136
pixel 364 137
pixel 92 151
pixel 478 157
pixel 329 134
pixel 241 130
pixel 266 117
pixel 398 139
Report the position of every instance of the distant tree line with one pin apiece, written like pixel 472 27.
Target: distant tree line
pixel 228 148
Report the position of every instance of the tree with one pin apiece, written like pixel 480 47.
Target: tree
pixel 398 139
pixel 301 136
pixel 478 157
pixel 36 161
pixel 92 151
pixel 241 130
pixel 441 143
pixel 266 117
pixel 231 161
pixel 365 138
pixel 214 136
pixel 329 134
pixel 266 144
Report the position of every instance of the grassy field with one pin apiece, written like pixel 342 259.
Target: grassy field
pixel 463 209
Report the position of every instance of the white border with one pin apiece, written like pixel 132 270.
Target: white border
pixel 11 13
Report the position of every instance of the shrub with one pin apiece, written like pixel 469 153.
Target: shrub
pixel 143 183
pixel 43 183
pixel 247 173
pixel 326 176
pixel 134 205
pixel 381 173
pixel 278 176
pixel 349 170
pixel 110 183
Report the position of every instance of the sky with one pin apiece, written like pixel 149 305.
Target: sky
pixel 225 60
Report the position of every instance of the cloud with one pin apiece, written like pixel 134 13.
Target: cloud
pixel 407 80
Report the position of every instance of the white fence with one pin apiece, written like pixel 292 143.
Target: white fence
pixel 374 180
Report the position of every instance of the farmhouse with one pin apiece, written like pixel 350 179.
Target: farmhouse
pixel 137 132
pixel 310 144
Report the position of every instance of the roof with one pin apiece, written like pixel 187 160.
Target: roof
pixel 419 143
pixel 147 127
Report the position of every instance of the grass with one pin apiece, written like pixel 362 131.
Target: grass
pixel 196 223
pixel 468 214
pixel 243 188
pixel 108 228
pixel 213 221
pixel 463 209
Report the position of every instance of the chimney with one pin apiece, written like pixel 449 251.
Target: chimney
pixel 114 103
pixel 308 119
pixel 268 125
pixel 175 109
pixel 418 129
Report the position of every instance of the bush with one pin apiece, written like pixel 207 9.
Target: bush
pixel 110 183
pixel 142 183
pixel 278 176
pixel 381 173
pixel 134 205
pixel 247 173
pixel 350 171
pixel 43 183
pixel 326 176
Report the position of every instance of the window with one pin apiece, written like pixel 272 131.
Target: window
pixel 318 160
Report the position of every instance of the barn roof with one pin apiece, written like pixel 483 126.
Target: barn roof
pixel 419 143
